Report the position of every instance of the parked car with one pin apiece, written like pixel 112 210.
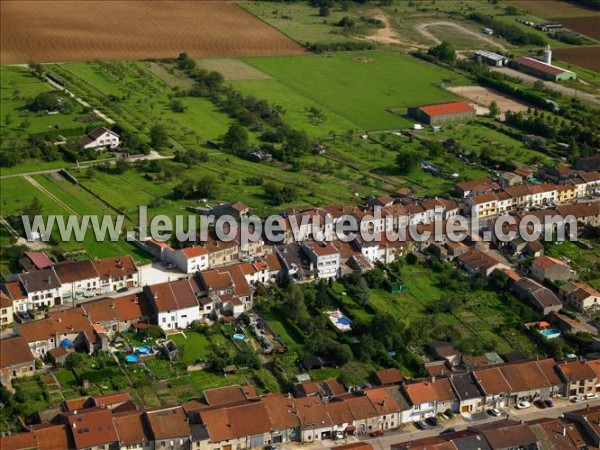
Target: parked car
pixel 433 421
pixel 421 425
pixel 123 289
pixel 540 404
pixel 377 433
pixel 448 430
pixel 591 396
pixel 523 405
pixel 549 403
pixel 494 412
pixel 577 399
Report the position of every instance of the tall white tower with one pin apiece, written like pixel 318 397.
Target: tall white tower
pixel 547 55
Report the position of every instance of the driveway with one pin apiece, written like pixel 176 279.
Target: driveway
pixel 549 84
pixel 155 273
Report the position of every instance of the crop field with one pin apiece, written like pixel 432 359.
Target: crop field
pixel 361 88
pixel 551 9
pixel 588 26
pixel 58 31
pixel 588 57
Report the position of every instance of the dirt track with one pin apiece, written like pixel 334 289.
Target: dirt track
pixel 423 30
pixel 58 31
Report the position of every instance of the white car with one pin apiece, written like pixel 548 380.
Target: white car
pixel 494 412
pixel 577 399
pixel 591 396
pixel 523 405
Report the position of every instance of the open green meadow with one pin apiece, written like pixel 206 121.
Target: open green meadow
pixel 361 88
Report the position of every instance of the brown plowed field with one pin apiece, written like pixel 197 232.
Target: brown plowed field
pixel 588 57
pixel 588 26
pixel 550 9
pixel 57 31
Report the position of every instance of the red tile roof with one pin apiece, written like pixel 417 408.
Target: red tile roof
pixel 427 391
pixel 173 295
pixel 116 267
pixel 230 395
pixel 51 436
pixel 71 271
pixel 130 428
pixel 18 441
pixel 14 351
pixel 224 424
pixel 123 308
pixel 194 251
pixel 442 109
pixel 389 376
pixel 492 381
pixel 70 321
pixel 538 65
pixel 313 413
pixel 91 427
pixel 40 260
pixel 167 423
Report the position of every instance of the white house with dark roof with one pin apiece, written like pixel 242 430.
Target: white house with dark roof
pixel 100 138
pixel 324 257
pixel 174 304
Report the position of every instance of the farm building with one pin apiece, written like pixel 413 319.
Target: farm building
pixel 490 58
pixel 541 69
pixel 101 137
pixel 441 113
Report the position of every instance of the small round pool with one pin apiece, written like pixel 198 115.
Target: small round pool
pixel 239 337
pixel 344 321
pixel 132 359
pixel 144 350
pixel 550 333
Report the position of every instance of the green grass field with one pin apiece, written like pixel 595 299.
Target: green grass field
pixel 361 92
pixel 194 346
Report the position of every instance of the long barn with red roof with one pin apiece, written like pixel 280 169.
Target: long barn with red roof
pixel 441 113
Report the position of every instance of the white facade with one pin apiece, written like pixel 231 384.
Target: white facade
pixel 326 260
pixel 108 139
pixel 79 288
pixel 185 263
pixel 181 318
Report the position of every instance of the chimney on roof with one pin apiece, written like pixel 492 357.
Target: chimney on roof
pixel 564 432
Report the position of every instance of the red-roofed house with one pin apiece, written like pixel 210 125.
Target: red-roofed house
pixel 429 397
pixel 174 304
pixel 549 268
pixel 91 428
pixel 442 113
pixel 189 259
pixel 16 359
pixel 324 257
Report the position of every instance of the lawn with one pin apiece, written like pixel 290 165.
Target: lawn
pixel 361 87
pixel 203 380
pixel 193 347
pixel 295 105
pixel 281 325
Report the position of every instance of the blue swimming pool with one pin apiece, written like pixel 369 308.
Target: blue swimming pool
pixel 239 337
pixel 132 358
pixel 344 321
pixel 144 350
pixel 550 333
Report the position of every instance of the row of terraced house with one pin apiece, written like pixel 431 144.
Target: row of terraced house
pixel 238 417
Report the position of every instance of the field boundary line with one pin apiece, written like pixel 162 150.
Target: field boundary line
pixel 49 194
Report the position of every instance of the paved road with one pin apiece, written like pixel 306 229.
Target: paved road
pixel 409 432
pixel 550 84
